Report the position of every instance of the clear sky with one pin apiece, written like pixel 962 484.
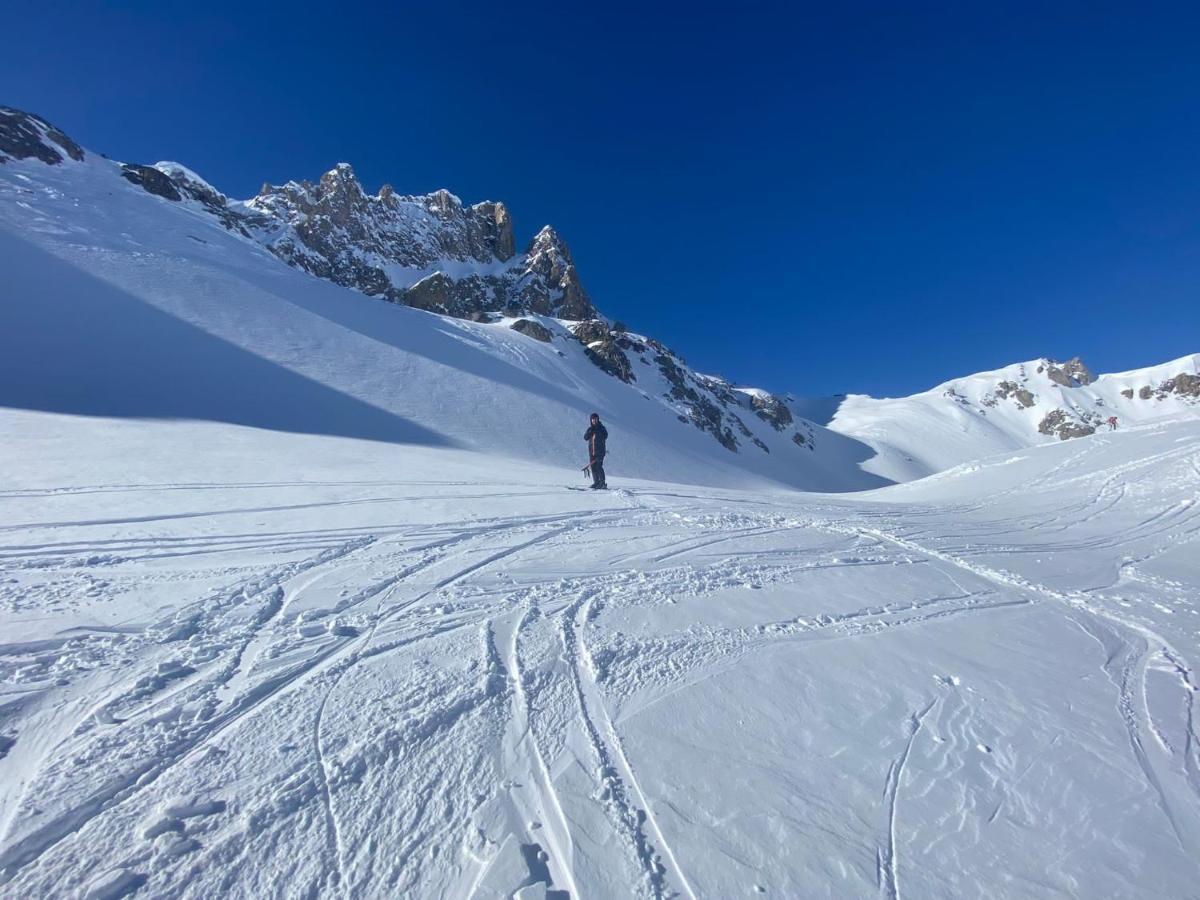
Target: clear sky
pixel 807 197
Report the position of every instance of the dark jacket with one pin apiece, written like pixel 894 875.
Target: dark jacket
pixel 597 438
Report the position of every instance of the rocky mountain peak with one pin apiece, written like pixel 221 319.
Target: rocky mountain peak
pixel 555 288
pixel 429 250
pixel 340 188
pixel 444 204
pixel 547 241
pixel 24 136
pixel 497 215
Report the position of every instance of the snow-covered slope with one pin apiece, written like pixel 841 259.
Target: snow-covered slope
pixel 253 663
pixel 1019 406
pixel 128 295
pixel 266 347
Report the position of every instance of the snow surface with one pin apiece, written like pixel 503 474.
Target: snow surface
pixel 294 602
pixel 312 665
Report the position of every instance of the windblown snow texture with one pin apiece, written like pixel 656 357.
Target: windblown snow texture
pixel 371 669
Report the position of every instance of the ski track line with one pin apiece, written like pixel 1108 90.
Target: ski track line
pixel 173 517
pixel 737 535
pixel 560 838
pixel 333 831
pixel 1125 667
pixel 886 860
pixel 1135 722
pixel 627 768
pixel 38 842
pixel 357 654
pixel 613 765
pixel 261 585
pixel 218 486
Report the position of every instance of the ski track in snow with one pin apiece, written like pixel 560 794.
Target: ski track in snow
pixel 596 632
pixel 889 879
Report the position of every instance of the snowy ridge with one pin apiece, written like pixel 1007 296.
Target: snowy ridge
pixel 158 297
pixel 1019 406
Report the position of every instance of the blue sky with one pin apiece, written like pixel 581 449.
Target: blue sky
pixel 871 198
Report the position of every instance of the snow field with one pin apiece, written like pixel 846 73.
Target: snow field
pixel 393 675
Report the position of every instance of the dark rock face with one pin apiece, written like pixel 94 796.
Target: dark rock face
pixel 190 188
pixel 530 328
pixel 379 244
pixel 1059 423
pixel 463 299
pixel 1127 393
pixel 610 358
pixel 709 403
pixel 555 288
pixel 430 251
pixel 335 214
pixel 601 348
pixel 1145 392
pixel 154 181
pixel 592 331
pixel 701 411
pixel 24 136
pixel 773 410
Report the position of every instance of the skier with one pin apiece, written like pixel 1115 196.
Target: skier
pixel 597 438
pixel 1112 423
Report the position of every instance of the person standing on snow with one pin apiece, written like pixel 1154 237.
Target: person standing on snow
pixel 1112 423
pixel 597 438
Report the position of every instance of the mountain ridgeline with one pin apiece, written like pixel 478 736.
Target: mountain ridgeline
pixel 434 253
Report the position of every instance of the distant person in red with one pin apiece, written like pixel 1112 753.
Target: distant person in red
pixel 1112 423
pixel 597 438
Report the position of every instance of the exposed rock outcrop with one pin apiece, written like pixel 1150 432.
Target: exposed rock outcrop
pixel 1072 373
pixel 602 349
pixel 1021 396
pixel 427 251
pixel 550 282
pixel 1059 423
pixel 699 410
pixel 154 181
pixel 25 136
pixel 530 328
pixel 464 298
pixel 1184 385
pixel 771 409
